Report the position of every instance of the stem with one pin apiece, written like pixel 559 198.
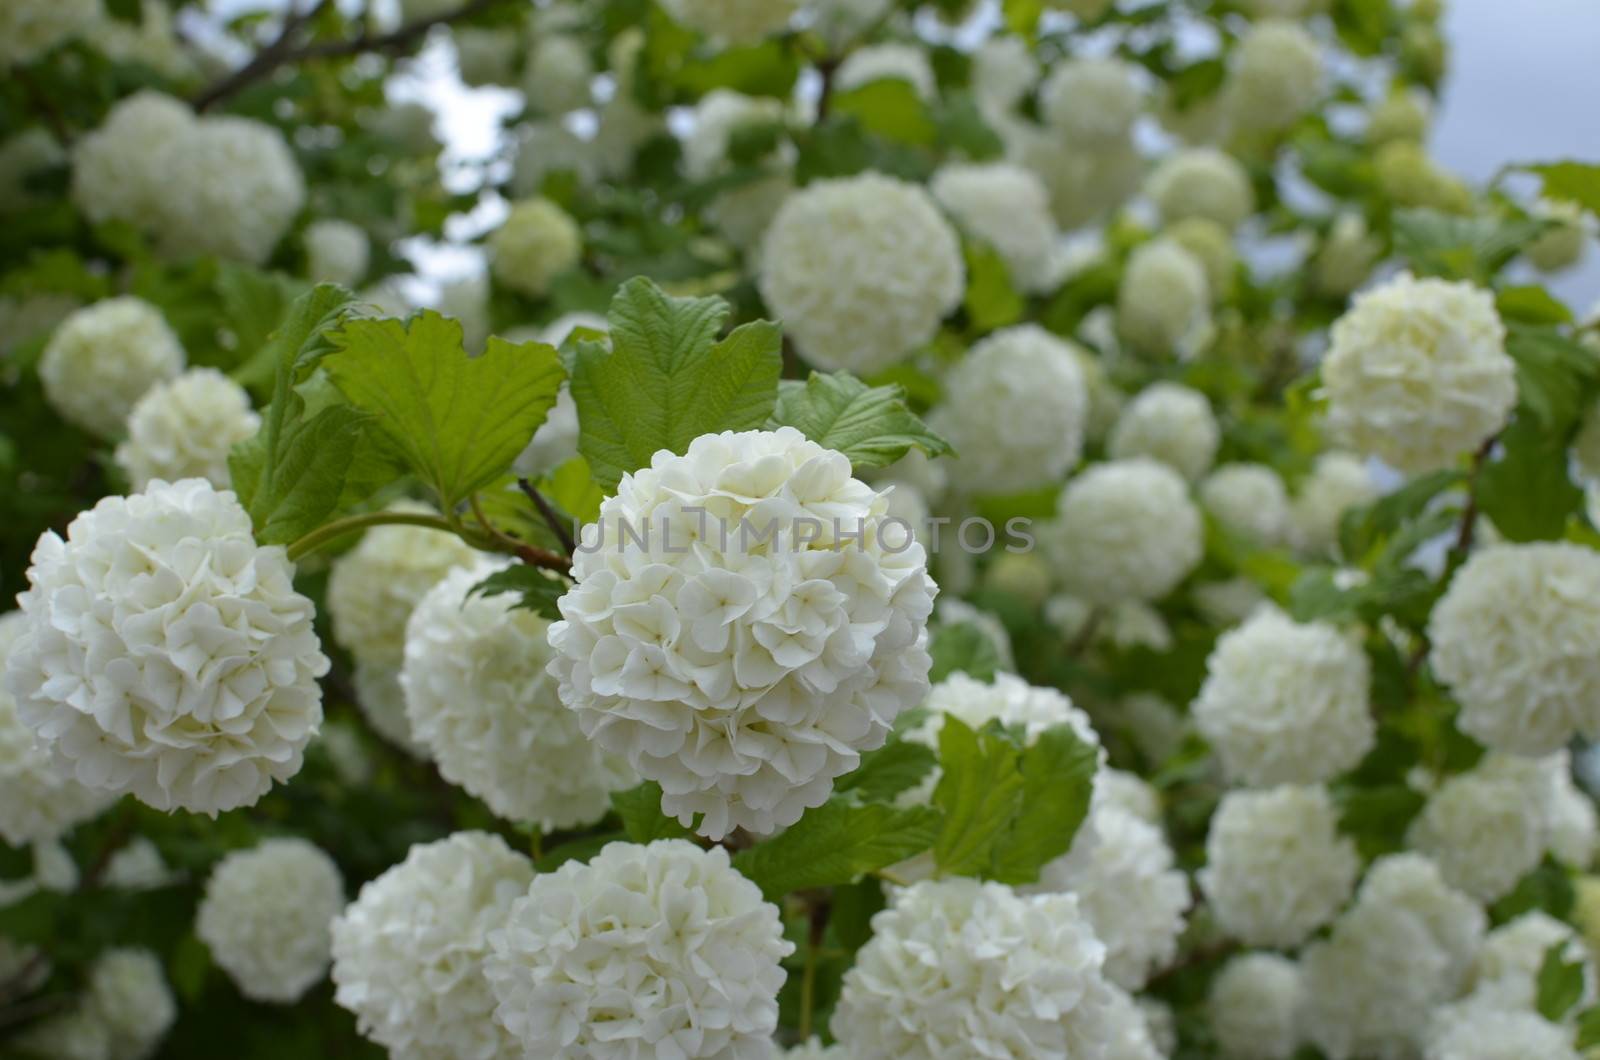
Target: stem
pixel 1469 514
pixel 808 981
pixel 551 518
pixel 1085 637
pixel 530 554
pixel 352 523
pixel 265 61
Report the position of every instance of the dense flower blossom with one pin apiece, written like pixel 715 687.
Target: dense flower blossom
pixel 1164 301
pixel 1092 102
pixel 1171 423
pixel 1249 500
pixel 1253 1005
pixel 102 359
pixel 337 252
pixel 1275 76
pixel 896 62
pixel 1126 528
pixel 1202 182
pixel 536 243
pixel 185 428
pixel 558 75
pixel 1485 827
pixel 1007 207
pixel 30 28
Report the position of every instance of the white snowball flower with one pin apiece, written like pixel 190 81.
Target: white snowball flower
pixel 1505 975
pixel 1016 413
pixel 1202 182
pixel 1128 889
pixel 1417 373
pixel 1275 75
pixel 1164 301
pixel 1252 1006
pixel 743 675
pixel 648 950
pixel 733 21
pixel 1213 247
pixel 1003 71
pixel 185 428
pixel 337 252
pixel 1337 483
pixel 1092 102
pixel 558 75
pixel 1007 699
pixel 1007 207
pixel 547 147
pixel 1276 867
pixel 479 698
pixel 1130 793
pixel 231 191
pixel 1285 702
pixel 1132 1036
pixel 1171 423
pixel 1514 637
pixel 37 802
pixel 31 28
pixel 1126 528
pixel 373 587
pixel 121 171
pixel 959 968
pixel 138 866
pixel 1249 500
pixel 861 271
pixel 266 917
pixel 1084 183
pixel 888 62
pixel 129 996
pixel 382 703
pixel 167 654
pixel 1469 1031
pixel 1485 828
pixel 536 243
pixel 1411 883
pixel 408 953
pixel 103 358
pixel 1574 826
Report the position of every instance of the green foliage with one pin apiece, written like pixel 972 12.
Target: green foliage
pixel 837 843
pixel 1559 985
pixel 642 819
pixel 1577 182
pixel 1526 491
pixel 1057 771
pixel 536 589
pixel 666 379
pixel 1461 248
pixel 897 766
pixel 873 426
pixel 890 108
pixel 456 422
pixel 963 647
pixel 991 301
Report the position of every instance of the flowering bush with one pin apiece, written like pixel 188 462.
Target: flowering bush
pixel 739 529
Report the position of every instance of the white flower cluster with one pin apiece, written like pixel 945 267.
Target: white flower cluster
pixel 267 915
pixel 185 428
pixel 1007 699
pixel 962 968
pixel 371 592
pixel 888 62
pixel 558 75
pixel 199 185
pixel 1276 867
pixel 30 28
pixel 1084 184
pixel 123 1015
pixel 1092 102
pixel 1405 946
pixel 1505 974
pixel 1249 500
pixel 1126 528
pixel 1007 207
pixel 861 271
pixel 1338 482
pixel 1487 827
pixel 1003 71
pixel 1513 637
pixel 1017 417
pixel 1202 182
pixel 1164 301
pixel 535 244
pixel 103 358
pixel 661 949
pixel 409 952
pixel 1285 702
pixel 167 654
pixel 1128 889
pixel 1253 1007
pixel 1275 76
pixel 1417 373
pixel 1171 423
pixel 478 697
pixel 744 675
pixel 1478 1032
pixel 733 21
pixel 337 252
pixel 37 802
pixel 1346 257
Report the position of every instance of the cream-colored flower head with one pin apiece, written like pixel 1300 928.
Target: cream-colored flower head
pixel 103 358
pixel 186 428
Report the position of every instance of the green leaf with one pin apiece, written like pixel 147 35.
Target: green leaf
pixel 889 107
pixel 962 127
pixel 1461 248
pixel 1377 816
pixel 1560 984
pixel 837 843
pixel 537 588
pixel 1058 771
pixel 1577 182
pixel 1552 374
pixel 897 766
pixel 1363 529
pixel 296 473
pixel 640 810
pixel 572 489
pixel 665 380
pixel 1547 887
pixel 1022 16
pixel 1588 1028
pixel 457 421
pixel 1365 26
pixel 255 301
pixel 991 300
pixel 873 426
pixel 980 791
pixel 1527 492
pixel 963 647
pixel 1531 305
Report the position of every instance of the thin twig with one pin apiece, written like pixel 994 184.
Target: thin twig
pixel 551 517
pixel 268 59
pixel 1469 514
pixel 1086 634
pixel 529 554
